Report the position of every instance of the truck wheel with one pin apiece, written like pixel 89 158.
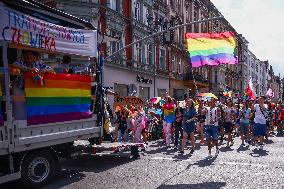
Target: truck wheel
pixel 38 168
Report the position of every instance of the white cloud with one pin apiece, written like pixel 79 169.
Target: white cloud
pixel 261 23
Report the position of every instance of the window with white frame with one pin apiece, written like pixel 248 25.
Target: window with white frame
pixel 173 63
pixel 162 59
pixel 115 5
pixel 139 48
pixel 150 54
pixel 115 45
pixel 137 11
pixel 179 65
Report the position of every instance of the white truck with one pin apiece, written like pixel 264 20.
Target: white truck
pixel 32 152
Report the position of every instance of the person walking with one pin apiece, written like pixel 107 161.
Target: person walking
pixel 228 125
pixel 178 126
pixel 211 126
pixel 260 119
pixel 169 117
pixel 244 122
pixel 201 121
pixel 188 125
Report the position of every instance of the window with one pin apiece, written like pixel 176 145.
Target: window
pixel 139 52
pixel 179 65
pixel 115 5
pixel 173 63
pixel 144 93
pixel 216 76
pixel 150 54
pixel 162 59
pixel 137 11
pixel 162 92
pixel 121 89
pixel 115 45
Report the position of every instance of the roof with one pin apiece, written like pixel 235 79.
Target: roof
pixel 49 14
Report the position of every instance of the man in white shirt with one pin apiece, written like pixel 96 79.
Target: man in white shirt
pixel 211 126
pixel 260 118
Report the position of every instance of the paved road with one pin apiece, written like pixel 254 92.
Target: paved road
pixel 159 168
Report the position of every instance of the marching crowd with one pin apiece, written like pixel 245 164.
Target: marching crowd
pixel 211 121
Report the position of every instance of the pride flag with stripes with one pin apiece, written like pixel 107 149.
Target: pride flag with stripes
pixel 62 97
pixel 211 48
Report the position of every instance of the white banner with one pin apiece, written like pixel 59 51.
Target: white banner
pixel 22 29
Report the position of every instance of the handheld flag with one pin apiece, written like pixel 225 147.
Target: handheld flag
pixel 250 92
pixel 211 48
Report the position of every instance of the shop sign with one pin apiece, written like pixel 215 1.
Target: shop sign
pixel 141 79
pixel 22 29
pixel 128 100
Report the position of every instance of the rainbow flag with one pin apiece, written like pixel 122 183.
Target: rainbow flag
pixel 62 97
pixel 211 48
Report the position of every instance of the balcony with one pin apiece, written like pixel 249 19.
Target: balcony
pixel 196 76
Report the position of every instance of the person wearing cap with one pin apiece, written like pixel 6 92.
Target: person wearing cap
pixel 260 119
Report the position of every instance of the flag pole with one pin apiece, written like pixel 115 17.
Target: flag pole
pixel 193 76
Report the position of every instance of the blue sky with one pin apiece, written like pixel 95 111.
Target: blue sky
pixel 261 23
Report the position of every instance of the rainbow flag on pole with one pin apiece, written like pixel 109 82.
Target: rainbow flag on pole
pixel 62 97
pixel 211 48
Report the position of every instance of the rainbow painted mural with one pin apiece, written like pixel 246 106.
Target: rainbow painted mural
pixel 61 97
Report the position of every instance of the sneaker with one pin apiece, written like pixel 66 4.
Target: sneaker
pixel 261 147
pixel 228 145
pixel 243 145
pixel 202 142
pixel 191 151
pixel 209 156
pixel 181 152
pixel 232 143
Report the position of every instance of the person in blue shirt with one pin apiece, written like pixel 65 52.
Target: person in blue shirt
pixel 188 124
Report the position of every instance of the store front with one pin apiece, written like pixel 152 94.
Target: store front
pixel 129 83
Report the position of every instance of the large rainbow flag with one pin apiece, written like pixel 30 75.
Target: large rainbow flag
pixel 211 48
pixel 62 97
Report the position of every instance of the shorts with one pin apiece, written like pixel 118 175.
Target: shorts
pixel 188 128
pixel 228 126
pixel 259 129
pixel 244 127
pixel 211 132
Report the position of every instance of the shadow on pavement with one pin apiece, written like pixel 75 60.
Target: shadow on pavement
pixel 226 149
pixel 242 148
pixel 258 153
pixel 205 185
pixel 206 162
pixel 73 170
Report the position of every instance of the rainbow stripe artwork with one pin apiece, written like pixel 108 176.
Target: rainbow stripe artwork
pixel 61 97
pixel 211 48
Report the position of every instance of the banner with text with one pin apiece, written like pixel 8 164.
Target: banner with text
pixel 22 29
